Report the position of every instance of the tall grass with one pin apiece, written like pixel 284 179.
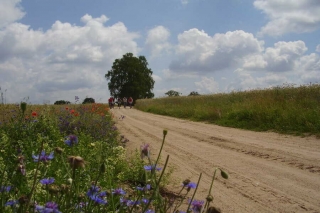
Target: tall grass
pixel 284 109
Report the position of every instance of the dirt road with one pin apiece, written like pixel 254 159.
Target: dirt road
pixel 268 172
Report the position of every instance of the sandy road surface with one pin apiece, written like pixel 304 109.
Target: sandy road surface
pixel 268 172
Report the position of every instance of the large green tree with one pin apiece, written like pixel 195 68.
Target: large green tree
pixel 130 77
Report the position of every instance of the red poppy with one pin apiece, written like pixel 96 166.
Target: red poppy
pixel 34 114
pixel 67 108
pixel 72 111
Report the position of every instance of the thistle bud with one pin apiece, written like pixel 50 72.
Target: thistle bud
pixel 76 162
pixel 165 132
pixel 212 209
pixel 209 198
pixel 186 182
pixel 58 150
pixel 23 106
pixel 53 189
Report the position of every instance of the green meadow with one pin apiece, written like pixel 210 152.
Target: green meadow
pixel 284 109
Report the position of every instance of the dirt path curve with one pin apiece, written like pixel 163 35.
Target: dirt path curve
pixel 268 172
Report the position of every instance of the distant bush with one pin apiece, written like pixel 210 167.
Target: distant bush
pixel 61 102
pixel 88 101
pixel 193 93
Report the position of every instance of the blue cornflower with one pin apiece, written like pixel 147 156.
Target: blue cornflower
pixel 191 185
pixel 151 167
pixel 50 207
pixel 11 203
pixel 71 140
pixel 93 190
pixel 150 211
pixel 98 200
pixel 118 191
pixel 144 200
pixel 132 202
pixel 103 194
pixel 47 181
pixel 197 205
pixel 43 157
pixel 5 188
pixel 123 201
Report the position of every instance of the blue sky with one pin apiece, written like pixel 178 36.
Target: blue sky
pixel 56 49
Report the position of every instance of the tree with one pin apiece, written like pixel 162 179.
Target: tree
pixel 171 93
pixel 130 77
pixel 88 101
pixel 61 102
pixel 193 93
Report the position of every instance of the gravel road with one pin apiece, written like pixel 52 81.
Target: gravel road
pixel 268 172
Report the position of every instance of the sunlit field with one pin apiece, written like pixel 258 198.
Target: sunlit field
pixel 71 158
pixel 284 109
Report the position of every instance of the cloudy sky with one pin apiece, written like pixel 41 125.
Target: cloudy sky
pixel 57 49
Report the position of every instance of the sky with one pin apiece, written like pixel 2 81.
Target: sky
pixel 57 49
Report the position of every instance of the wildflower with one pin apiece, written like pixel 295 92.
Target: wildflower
pixel 133 203
pixel 151 168
pixel 145 200
pixel 197 205
pixel 98 200
pixel 11 203
pixel 49 207
pixel 47 181
pixel 191 185
pixel 145 150
pixel 76 162
pixel 71 140
pixel 34 114
pixel 5 188
pixel 93 190
pixel 118 191
pixel 150 211
pixel 43 157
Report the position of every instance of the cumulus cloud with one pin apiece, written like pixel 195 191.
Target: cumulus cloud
pixel 280 58
pixel 207 85
pixel 286 16
pixel 157 41
pixel 198 52
pixel 318 48
pixel 10 11
pixel 66 58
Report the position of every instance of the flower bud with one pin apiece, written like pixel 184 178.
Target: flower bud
pixel 209 198
pixel 212 209
pixel 58 150
pixel 186 182
pixel 76 162
pixel 165 132
pixel 69 180
pixel 224 174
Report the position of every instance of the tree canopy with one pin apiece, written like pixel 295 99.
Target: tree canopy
pixel 130 77
pixel 193 93
pixel 61 102
pixel 171 93
pixel 88 101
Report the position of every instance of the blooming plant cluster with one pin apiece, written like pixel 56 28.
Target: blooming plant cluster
pixel 72 159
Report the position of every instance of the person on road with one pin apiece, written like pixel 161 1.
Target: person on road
pixel 111 102
pixel 119 102
pixel 130 101
pixel 124 102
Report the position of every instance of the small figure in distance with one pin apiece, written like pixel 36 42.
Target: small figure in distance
pixel 130 101
pixel 119 102
pixel 111 102
pixel 124 102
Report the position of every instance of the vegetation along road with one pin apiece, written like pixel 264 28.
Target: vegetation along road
pixel 268 172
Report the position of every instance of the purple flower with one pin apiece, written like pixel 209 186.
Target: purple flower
pixel 11 203
pixel 132 203
pixel 145 150
pixel 150 211
pixel 197 205
pixel 43 157
pixel 93 190
pixel 71 140
pixel 47 181
pixel 119 191
pixel 151 168
pixel 50 207
pixel 5 188
pixel 98 200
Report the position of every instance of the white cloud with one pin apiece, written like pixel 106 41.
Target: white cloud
pixel 284 56
pixel 318 48
pixel 64 61
pixel 156 78
pixel 157 41
pixel 10 11
pixel 207 85
pixel 286 16
pixel 168 74
pixel 184 1
pixel 199 52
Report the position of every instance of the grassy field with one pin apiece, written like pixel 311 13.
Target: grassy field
pixel 285 109
pixel 71 158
